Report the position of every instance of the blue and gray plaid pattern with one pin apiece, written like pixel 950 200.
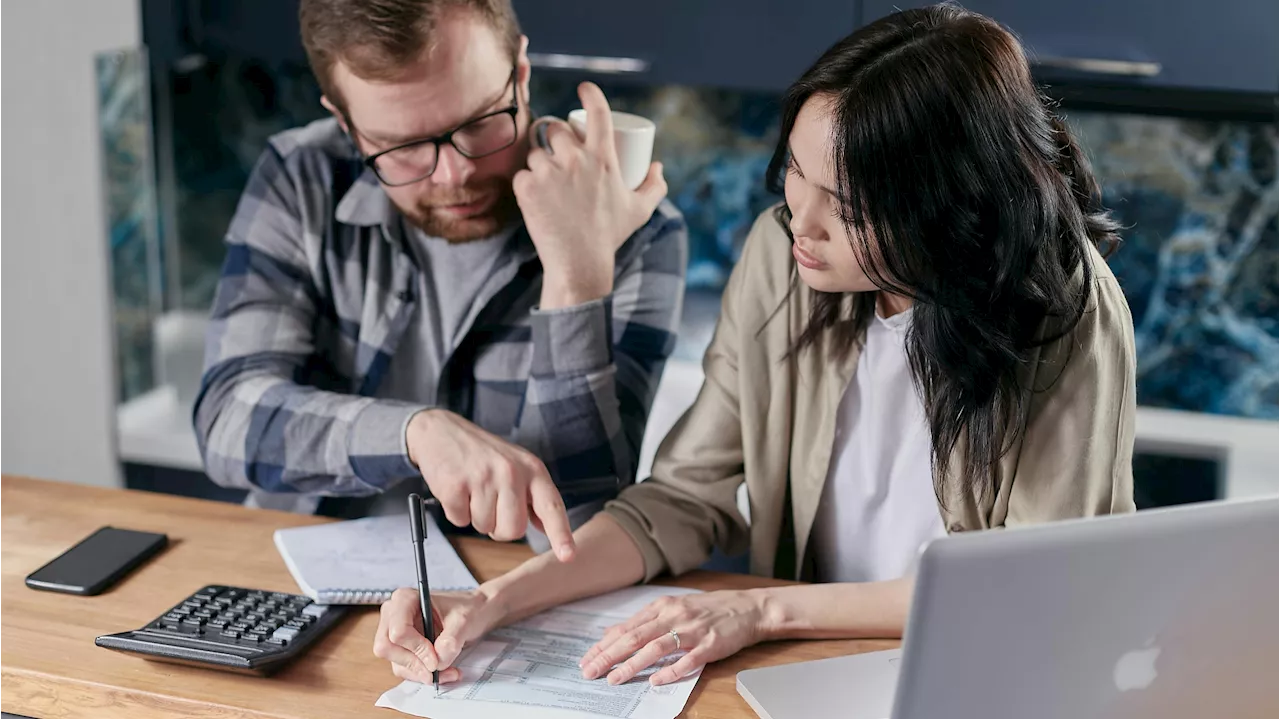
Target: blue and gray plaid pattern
pixel 317 291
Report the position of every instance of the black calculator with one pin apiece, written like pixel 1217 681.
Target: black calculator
pixel 230 628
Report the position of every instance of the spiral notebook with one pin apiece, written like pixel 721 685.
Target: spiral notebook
pixel 363 561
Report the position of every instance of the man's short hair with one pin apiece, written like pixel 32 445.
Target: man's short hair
pixel 378 39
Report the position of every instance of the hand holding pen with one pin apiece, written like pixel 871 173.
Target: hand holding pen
pixel 418 528
pixel 421 635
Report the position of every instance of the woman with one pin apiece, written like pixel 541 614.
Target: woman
pixel 923 339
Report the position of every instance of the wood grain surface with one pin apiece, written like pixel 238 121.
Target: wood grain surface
pixel 50 667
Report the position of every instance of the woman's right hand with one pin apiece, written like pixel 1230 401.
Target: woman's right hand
pixel 460 618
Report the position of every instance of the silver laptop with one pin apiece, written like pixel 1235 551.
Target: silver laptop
pixel 1165 613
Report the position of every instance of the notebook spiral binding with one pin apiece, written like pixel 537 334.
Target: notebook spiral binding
pixel 366 596
pixel 354 596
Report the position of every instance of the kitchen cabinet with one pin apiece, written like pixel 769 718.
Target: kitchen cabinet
pixel 744 44
pixel 1178 44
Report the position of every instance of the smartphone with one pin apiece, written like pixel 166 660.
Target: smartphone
pixel 97 562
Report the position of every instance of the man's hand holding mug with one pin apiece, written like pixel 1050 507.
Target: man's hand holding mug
pixel 575 197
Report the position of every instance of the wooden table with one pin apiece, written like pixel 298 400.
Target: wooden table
pixel 50 667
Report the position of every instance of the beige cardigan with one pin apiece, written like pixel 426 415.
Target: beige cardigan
pixel 770 421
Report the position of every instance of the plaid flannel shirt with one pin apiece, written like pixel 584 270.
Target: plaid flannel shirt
pixel 317 291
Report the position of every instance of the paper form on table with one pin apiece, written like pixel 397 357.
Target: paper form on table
pixel 529 670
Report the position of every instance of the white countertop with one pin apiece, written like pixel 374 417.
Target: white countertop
pixel 154 430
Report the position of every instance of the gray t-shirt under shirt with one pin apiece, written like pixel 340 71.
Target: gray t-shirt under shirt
pixel 449 283
pixel 450 279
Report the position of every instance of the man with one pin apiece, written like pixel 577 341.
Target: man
pixel 414 294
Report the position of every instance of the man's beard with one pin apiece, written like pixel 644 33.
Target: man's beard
pixel 426 216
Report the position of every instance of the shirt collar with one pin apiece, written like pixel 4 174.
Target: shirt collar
pixel 365 204
pixel 898 323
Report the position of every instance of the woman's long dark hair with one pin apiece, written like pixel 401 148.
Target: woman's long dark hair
pixel 964 191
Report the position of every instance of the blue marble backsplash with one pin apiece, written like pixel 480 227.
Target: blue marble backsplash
pixel 1198 200
pixel 1199 262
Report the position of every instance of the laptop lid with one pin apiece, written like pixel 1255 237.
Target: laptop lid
pixel 1164 613
pixel 859 686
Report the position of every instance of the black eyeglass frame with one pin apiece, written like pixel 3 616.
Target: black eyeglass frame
pixel 371 161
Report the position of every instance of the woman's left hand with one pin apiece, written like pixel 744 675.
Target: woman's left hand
pixel 711 626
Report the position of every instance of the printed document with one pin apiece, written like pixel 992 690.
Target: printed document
pixel 529 670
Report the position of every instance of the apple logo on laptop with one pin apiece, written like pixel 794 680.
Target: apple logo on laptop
pixel 1137 669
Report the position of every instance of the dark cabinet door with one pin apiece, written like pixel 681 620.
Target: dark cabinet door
pixel 265 30
pixel 1221 45
pixel 747 44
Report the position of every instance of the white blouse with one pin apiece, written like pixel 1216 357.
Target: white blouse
pixel 878 507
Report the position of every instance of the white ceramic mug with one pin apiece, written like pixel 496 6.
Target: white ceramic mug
pixel 632 138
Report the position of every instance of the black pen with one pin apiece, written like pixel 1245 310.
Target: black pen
pixel 419 530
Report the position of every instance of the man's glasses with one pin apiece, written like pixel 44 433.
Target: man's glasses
pixel 413 161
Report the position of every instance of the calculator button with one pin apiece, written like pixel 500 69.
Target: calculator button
pixel 252 637
pixel 194 621
pixel 203 614
pixel 285 633
pixel 296 624
pixel 230 634
pixel 315 610
pixel 217 623
pixel 263 629
pixel 241 626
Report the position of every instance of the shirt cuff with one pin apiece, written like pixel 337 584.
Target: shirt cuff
pixel 377 445
pixel 635 527
pixel 572 340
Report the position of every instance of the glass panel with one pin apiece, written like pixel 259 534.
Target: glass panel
pixel 124 118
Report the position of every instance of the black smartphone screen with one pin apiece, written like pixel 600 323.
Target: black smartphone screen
pixel 97 562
